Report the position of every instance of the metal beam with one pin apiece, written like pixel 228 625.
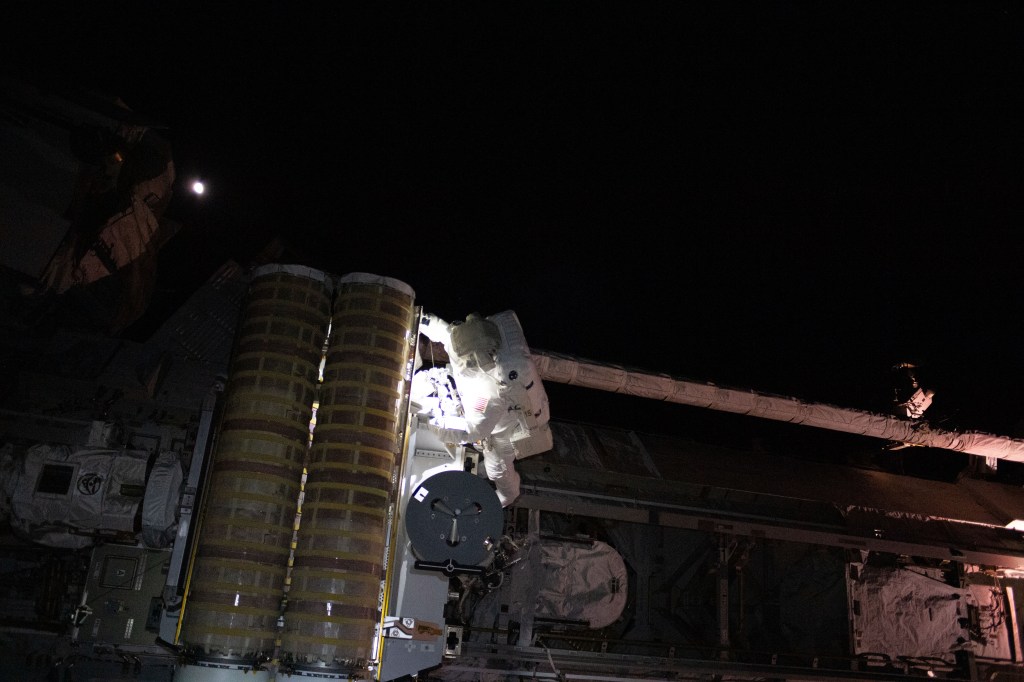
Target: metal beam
pixel 1009 557
pixel 566 369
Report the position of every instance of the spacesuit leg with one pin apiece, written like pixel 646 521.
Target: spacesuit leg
pixel 499 463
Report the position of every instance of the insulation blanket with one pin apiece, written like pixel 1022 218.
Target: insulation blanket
pixel 898 612
pixel 582 583
pixel 57 492
pixel 159 506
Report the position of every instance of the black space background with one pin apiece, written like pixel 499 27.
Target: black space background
pixel 789 197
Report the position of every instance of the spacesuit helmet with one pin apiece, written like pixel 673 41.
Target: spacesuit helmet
pixel 475 343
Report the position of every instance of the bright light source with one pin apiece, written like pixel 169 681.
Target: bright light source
pixel 198 187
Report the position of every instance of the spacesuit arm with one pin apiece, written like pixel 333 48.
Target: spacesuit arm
pixel 436 329
pixel 449 430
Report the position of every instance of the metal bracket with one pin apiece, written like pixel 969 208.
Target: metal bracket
pixel 409 628
pixel 432 454
pixel 452 641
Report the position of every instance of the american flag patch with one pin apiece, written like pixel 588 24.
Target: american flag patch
pixel 480 404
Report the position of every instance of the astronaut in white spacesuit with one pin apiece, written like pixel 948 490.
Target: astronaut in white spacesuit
pixel 499 401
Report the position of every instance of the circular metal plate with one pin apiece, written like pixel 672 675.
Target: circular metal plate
pixel 452 516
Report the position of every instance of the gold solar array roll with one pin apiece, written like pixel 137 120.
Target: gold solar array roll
pixel 237 582
pixel 335 583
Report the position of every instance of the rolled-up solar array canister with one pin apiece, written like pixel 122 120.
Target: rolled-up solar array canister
pixel 336 577
pixel 237 581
